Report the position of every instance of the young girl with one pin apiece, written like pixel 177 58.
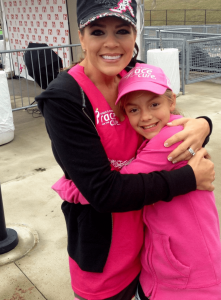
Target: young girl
pixel 181 256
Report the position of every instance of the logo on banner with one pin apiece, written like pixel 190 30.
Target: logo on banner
pixel 39 38
pixel 48 16
pixel 38 24
pixel 63 40
pixel 35 30
pixel 10 3
pixel 13 35
pixel 12 41
pixel 19 10
pixel 47 2
pixel 51 8
pixel 59 8
pixel 16 17
pixel 36 9
pixel 24 9
pixel 28 17
pixel 22 16
pixel 56 17
pixel 15 3
pixel 55 39
pixel 34 16
pixel 44 9
pixel 66 32
pixel 5 4
pixel 20 3
pixel 45 24
pixel 65 16
pixel 26 23
pixel 14 29
pixel 58 31
pixel 16 42
pixel 65 55
pixel 49 31
pixel 27 36
pixel 18 29
pixel 46 39
pixel 53 24
pixel 22 36
pixel 32 24
pixel 33 37
pixel 26 43
pixel 63 2
pixel 30 9
pixel 42 31
pixel 12 17
pixel 61 24
pixel 26 2
pixel 39 2
pixel 24 30
pixel 32 2
pixel 54 1
pixel 40 17
pixel 9 10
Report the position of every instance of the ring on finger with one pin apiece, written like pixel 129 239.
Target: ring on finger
pixel 191 151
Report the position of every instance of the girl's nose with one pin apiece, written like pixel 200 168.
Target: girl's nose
pixel 146 116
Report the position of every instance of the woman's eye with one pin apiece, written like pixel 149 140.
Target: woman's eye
pixel 97 32
pixel 123 31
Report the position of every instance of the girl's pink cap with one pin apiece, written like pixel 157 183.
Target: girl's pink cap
pixel 144 77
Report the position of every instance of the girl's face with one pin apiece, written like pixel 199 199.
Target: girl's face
pixel 109 44
pixel 148 113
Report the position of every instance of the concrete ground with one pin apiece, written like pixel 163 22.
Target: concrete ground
pixel 28 170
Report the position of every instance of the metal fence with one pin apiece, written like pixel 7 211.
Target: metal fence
pixel 151 31
pixel 203 59
pixel 199 52
pixel 182 17
pixel 32 69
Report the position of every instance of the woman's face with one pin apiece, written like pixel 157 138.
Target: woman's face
pixel 109 44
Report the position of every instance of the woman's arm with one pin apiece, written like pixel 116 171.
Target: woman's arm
pixel 195 135
pixel 78 150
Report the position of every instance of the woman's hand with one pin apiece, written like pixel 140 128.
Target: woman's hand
pixel 203 169
pixel 193 135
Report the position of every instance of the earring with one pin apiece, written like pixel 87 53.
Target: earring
pixel 84 50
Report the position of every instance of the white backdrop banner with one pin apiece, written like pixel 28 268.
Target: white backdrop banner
pixel 37 21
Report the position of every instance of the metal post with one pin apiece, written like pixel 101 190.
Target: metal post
pixel 185 17
pixel 166 17
pixel 150 17
pixel 205 16
pixel 8 237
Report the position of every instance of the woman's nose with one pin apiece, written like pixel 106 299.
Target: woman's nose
pixel 111 42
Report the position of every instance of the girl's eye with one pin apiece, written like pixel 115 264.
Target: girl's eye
pixel 155 104
pixel 133 110
pixel 97 32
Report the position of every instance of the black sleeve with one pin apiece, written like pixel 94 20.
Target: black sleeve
pixel 78 150
pixel 211 129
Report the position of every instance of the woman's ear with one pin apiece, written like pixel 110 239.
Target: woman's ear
pixel 173 103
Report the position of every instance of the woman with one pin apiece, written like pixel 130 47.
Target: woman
pixel 90 144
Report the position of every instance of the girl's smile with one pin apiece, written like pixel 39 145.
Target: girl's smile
pixel 148 113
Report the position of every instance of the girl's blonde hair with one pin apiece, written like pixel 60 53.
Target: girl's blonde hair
pixel 168 94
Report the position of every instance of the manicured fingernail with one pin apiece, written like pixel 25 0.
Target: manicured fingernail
pixel 170 158
pixel 166 145
pixel 174 161
pixel 169 123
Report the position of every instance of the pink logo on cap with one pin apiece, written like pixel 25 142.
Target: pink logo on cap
pixel 144 77
pixel 123 5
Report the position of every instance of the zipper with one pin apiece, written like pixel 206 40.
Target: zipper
pixel 83 109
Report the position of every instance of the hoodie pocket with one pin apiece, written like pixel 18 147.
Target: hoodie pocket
pixel 168 269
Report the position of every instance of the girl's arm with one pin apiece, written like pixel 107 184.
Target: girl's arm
pixel 195 135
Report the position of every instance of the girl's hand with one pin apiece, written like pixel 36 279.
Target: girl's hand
pixel 193 135
pixel 203 169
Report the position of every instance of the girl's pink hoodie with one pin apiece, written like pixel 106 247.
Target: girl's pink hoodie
pixel 181 256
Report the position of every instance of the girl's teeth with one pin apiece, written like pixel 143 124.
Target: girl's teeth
pixel 111 57
pixel 147 127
